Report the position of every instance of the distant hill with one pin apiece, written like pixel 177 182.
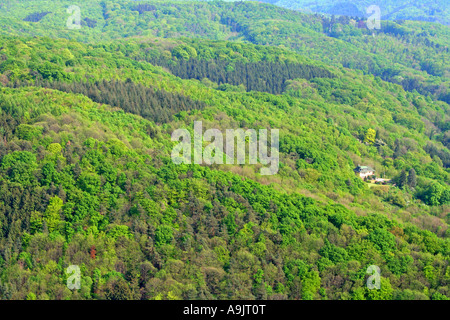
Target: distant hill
pixel 427 10
pixel 410 53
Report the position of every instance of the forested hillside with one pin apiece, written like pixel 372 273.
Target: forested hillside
pixel 427 10
pixel 412 54
pixel 87 179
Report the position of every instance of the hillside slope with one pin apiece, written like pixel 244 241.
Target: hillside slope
pixel 412 54
pixel 87 184
pixel 87 178
pixel 431 10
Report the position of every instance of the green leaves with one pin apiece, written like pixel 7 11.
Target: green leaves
pixel 89 182
pixel 163 235
pixel 20 166
pixel 370 136
pixel 120 231
pixel 13 158
pixel 54 149
pixel 435 194
pixel 383 240
pixel 335 254
pixel 50 71
pixel 28 132
pixel 384 293
pixel 52 213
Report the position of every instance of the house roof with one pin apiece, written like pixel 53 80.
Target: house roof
pixel 363 169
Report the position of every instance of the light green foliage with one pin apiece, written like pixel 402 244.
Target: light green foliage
pixel 54 148
pixel 87 182
pixel 52 213
pixel 21 165
pixel 27 132
pixel 120 231
pixel 369 137
pixel 384 293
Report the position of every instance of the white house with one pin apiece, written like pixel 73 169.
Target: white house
pixel 364 171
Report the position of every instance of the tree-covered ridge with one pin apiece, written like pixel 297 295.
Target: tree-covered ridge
pixel 86 176
pixel 84 184
pixel 334 98
pixel 413 54
pixel 431 10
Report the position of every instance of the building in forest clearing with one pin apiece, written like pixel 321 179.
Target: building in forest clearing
pixel 364 171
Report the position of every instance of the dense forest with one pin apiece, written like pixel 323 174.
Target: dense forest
pixel 427 10
pixel 410 53
pixel 87 179
pixel 268 77
pixel 156 105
